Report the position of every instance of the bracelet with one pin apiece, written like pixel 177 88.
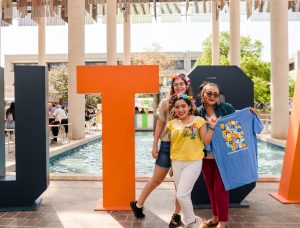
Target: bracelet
pixel 205 152
pixel 211 128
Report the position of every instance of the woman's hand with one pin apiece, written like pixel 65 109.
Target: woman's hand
pixel 253 110
pixel 155 152
pixel 213 121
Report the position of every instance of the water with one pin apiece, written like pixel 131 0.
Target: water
pixel 88 159
pixel 270 158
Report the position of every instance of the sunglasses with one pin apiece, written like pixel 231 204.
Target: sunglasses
pixel 176 84
pixel 210 94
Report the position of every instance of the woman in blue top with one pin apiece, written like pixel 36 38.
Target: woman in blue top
pixel 212 108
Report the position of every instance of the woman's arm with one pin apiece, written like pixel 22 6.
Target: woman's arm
pixel 206 136
pixel 158 130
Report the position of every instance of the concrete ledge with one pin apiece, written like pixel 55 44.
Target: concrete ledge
pixel 269 139
pixel 74 177
pixel 274 178
pixel 144 178
pixel 94 177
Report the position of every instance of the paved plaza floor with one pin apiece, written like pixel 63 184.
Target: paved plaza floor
pixel 71 204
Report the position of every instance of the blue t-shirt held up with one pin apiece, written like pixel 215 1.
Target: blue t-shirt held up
pixel 234 146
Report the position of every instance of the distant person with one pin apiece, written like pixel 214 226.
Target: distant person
pixel 10 117
pixel 51 109
pixel 52 121
pixel 87 114
pixel 179 84
pixel 61 116
pixel 136 111
pixel 65 107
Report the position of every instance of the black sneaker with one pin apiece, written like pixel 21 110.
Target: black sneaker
pixel 138 212
pixel 175 221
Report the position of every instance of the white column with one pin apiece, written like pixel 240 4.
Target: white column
pixel 279 69
pixel 41 41
pixel 111 32
pixel 187 61
pixel 127 38
pixel 76 56
pixel 0 41
pixel 235 46
pixel 297 61
pixel 215 34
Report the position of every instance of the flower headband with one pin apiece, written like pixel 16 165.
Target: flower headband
pixel 184 96
pixel 182 76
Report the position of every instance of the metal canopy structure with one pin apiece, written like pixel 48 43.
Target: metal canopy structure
pixel 33 9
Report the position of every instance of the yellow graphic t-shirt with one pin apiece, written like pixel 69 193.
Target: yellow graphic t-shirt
pixel 186 144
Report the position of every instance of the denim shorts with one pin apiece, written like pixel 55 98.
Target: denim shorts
pixel 164 159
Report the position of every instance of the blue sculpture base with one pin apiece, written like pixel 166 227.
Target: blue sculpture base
pixel 242 204
pixel 32 207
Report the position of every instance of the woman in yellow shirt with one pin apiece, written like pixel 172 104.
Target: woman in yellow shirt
pixel 180 83
pixel 188 137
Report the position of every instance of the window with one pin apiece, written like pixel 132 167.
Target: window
pixel 193 61
pixel 179 64
pixel 99 63
pixel 24 64
pixel 57 65
pixel 291 66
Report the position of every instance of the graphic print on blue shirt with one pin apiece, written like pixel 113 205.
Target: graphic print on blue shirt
pixel 234 145
pixel 233 135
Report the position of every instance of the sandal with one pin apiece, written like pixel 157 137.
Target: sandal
pixel 209 223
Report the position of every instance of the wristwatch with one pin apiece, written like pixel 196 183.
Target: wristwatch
pixel 205 152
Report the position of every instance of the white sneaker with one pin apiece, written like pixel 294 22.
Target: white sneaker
pixel 195 224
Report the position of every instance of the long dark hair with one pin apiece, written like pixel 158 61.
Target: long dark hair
pixel 184 78
pixel 176 97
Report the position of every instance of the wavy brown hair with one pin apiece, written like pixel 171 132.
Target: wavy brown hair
pixel 175 98
pixel 189 91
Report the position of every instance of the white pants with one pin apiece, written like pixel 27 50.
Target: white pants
pixel 185 175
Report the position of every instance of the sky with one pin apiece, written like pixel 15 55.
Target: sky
pixel 184 36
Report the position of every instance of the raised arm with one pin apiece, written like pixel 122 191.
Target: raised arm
pixel 206 136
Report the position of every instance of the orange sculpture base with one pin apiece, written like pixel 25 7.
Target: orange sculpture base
pixel 282 199
pixel 100 207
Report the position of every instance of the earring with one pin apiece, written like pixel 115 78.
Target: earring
pixel 202 101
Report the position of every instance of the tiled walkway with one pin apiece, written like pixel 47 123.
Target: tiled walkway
pixel 71 204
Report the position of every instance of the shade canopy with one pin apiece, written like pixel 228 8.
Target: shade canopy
pixel 58 9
